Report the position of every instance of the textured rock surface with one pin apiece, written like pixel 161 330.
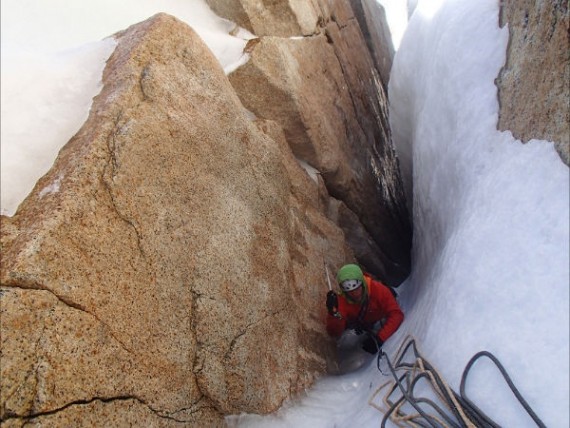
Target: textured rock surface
pixel 373 24
pixel 283 18
pixel 173 276
pixel 328 95
pixel 534 88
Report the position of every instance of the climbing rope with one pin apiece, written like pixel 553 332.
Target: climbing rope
pixel 404 408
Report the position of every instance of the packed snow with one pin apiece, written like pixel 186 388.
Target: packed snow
pixel 491 215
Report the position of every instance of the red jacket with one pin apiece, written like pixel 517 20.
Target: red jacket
pixel 381 306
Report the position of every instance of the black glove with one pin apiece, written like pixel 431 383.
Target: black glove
pixel 332 302
pixel 371 345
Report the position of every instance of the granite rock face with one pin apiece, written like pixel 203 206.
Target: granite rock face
pixel 282 18
pixel 374 27
pixel 534 88
pixel 169 269
pixel 327 92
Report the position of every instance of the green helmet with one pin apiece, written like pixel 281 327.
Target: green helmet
pixel 350 277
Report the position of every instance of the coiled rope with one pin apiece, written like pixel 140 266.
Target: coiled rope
pixel 451 409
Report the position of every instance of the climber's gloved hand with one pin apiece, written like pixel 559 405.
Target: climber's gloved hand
pixel 372 345
pixel 332 302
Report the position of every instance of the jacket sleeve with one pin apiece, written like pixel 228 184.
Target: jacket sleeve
pixel 394 315
pixel 336 326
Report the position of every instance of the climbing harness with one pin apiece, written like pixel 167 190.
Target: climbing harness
pixel 461 411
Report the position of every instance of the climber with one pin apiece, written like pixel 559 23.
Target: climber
pixel 363 305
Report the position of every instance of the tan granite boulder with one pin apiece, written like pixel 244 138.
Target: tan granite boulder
pixel 534 89
pixel 169 268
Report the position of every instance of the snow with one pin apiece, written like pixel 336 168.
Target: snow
pixel 45 100
pixel 397 17
pixel 491 215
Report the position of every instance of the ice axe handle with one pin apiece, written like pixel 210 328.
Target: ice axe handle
pixel 328 277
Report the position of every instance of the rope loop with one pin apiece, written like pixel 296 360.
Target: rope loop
pixel 449 410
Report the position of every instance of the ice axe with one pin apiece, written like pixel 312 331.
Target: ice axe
pixel 330 295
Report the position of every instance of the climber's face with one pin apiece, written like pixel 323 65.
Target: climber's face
pixel 356 294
